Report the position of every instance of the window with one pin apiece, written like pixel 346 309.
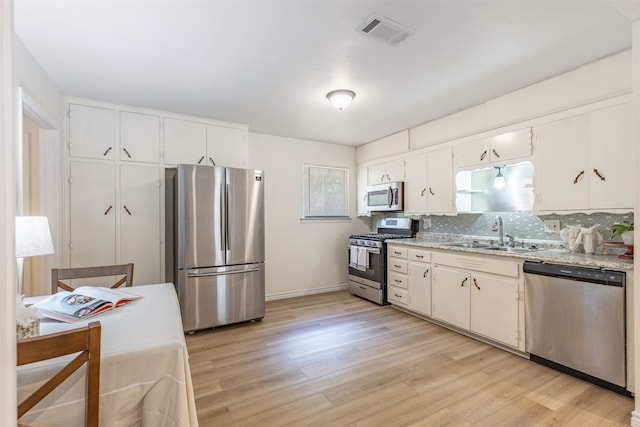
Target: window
pixel 325 192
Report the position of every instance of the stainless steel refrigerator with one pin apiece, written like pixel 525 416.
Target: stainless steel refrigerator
pixel 215 243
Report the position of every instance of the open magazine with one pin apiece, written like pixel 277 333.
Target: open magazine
pixel 85 301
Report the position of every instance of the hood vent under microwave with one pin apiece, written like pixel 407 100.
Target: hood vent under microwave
pixel 384 30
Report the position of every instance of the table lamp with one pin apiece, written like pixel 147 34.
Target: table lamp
pixel 33 238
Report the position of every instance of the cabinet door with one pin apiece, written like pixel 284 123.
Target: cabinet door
pixel 611 157
pixel 440 181
pixel 494 308
pixel 91 132
pixel 511 145
pixel 415 185
pixel 184 142
pixel 361 192
pixel 92 214
pixel 561 168
pixel 450 296
pixel 395 170
pixel 140 222
pixel 227 147
pixel 377 174
pixel 420 287
pixel 139 137
pixel 473 153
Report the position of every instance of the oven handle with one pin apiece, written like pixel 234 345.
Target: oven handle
pixel 375 251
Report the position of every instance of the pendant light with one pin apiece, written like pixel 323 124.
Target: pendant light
pixel 341 98
pixel 499 182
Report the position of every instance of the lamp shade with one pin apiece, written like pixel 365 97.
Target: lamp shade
pixel 33 236
pixel 341 98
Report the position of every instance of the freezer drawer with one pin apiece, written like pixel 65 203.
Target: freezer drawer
pixel 220 296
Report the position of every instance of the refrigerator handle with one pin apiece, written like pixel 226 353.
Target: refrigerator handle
pixel 222 273
pixel 226 217
pixel 223 216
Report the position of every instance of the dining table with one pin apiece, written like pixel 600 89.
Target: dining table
pixel 145 378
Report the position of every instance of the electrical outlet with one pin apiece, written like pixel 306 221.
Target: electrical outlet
pixel 426 223
pixel 552 226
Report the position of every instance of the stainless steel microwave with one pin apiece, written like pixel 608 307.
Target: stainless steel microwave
pixel 387 197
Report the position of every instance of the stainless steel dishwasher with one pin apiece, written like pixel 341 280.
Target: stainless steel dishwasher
pixel 575 321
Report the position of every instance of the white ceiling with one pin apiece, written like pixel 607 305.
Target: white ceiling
pixel 269 64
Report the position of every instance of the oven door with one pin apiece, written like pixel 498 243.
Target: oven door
pixel 373 275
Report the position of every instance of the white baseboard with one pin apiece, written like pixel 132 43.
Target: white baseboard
pixel 304 292
pixel 635 418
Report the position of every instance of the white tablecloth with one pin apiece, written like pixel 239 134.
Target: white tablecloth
pixel 145 378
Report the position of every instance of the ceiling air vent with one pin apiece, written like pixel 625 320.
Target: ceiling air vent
pixel 384 30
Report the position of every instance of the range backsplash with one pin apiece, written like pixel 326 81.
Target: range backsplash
pixel 521 225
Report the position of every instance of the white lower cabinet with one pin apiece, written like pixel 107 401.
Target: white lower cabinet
pixel 409 278
pixel 480 294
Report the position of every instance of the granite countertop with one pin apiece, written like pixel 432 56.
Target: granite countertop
pixel 549 254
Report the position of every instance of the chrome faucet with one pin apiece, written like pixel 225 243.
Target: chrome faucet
pixel 497 226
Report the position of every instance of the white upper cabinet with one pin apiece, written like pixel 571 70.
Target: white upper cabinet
pixel 440 181
pixel 227 146
pixel 586 162
pixel 92 132
pixel 415 184
pixel 184 142
pixel 361 193
pixel 497 149
pixel 139 137
pixel 428 185
pixel 390 171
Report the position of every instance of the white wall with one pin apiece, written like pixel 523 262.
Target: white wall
pixel 301 257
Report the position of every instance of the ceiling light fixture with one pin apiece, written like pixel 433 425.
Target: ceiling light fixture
pixel 341 98
pixel 499 182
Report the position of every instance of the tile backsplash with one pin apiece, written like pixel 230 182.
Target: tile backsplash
pixel 521 225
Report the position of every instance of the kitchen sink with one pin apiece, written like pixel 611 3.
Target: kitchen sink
pixel 474 244
pixel 510 249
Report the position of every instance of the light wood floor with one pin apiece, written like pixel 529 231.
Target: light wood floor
pixel 337 360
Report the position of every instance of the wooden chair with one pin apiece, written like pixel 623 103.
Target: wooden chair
pixel 58 274
pixel 85 340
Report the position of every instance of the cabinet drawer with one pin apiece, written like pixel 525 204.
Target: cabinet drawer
pixel 419 255
pixel 397 252
pixel 483 264
pixel 398 265
pixel 397 295
pixel 396 279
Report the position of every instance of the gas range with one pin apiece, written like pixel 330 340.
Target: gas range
pixel 367 258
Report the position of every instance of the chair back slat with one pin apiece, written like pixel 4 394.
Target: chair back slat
pixel 59 274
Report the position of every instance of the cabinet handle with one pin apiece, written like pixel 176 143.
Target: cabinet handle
pixel 388 177
pixel 382 178
pixel 419 256
pixel 201 159
pixel 483 155
pixel 425 273
pixel 397 266
pixel 602 178
pixel 126 209
pixel 397 252
pixel 476 283
pixel 397 296
pixel 105 153
pixel 431 191
pixel 108 209
pixel 422 193
pixel 575 181
pixel 212 162
pixel 463 282
pixel 126 152
pixel 495 153
pixel 397 280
